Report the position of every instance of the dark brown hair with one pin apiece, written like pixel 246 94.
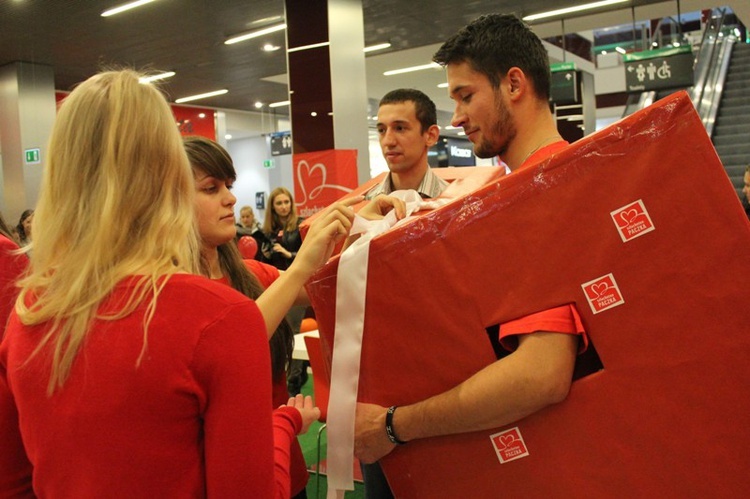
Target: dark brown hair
pixel 209 157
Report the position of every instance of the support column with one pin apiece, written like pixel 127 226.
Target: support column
pixel 27 112
pixel 327 81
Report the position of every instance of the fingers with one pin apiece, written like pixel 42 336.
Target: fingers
pixel 348 202
pixel 388 203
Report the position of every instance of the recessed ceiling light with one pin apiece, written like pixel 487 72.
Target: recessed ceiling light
pixel 258 105
pixel 255 34
pixel 308 47
pixel 202 96
pixel 568 10
pixel 379 46
pixel 228 136
pixel 432 65
pixel 124 7
pixel 154 77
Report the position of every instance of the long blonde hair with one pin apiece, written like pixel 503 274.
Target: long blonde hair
pixel 116 200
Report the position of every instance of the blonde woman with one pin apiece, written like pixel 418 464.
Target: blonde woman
pixel 129 375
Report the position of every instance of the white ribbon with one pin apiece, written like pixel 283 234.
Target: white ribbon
pixel 351 289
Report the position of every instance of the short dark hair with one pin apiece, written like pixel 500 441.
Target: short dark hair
pixel 423 105
pixel 494 43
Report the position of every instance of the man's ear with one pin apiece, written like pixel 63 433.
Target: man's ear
pixel 517 82
pixel 433 134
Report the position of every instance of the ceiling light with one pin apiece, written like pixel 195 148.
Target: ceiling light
pixel 124 7
pixel 379 46
pixel 228 136
pixel 269 47
pixel 201 115
pixel 258 105
pixel 201 96
pixel 432 65
pixel 255 34
pixel 159 76
pixel 308 47
pixel 279 104
pixel 443 85
pixel 568 10
pixel 620 50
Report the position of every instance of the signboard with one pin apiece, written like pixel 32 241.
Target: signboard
pixel 33 156
pixel 322 177
pixel 564 87
pixel 281 143
pixel 659 69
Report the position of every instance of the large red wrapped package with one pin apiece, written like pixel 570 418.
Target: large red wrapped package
pixel 639 226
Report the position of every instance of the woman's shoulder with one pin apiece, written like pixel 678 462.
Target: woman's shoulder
pixel 7 244
pixel 264 272
pixel 201 291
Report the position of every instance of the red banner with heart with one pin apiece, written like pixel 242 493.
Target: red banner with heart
pixel 322 177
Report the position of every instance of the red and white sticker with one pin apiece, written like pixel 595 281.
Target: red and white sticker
pixel 603 293
pixel 632 221
pixel 509 445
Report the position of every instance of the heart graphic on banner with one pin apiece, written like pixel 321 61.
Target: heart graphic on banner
pixel 314 176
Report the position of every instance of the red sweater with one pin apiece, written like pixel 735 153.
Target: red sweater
pixel 193 420
pixel 11 268
pixel 267 274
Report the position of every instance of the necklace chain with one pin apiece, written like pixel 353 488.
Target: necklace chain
pixel 541 144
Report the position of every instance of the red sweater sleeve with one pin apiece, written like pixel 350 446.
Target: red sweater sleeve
pixel 246 447
pixel 11 268
pixel 15 469
pixel 265 273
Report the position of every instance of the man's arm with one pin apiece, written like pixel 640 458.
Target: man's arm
pixel 538 373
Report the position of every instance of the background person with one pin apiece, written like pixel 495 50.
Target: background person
pixel 12 266
pixel 250 226
pixel 281 227
pixel 24 227
pixel 498 76
pixel 407 128
pixel 130 373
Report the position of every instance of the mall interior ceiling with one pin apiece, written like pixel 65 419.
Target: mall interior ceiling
pixel 187 37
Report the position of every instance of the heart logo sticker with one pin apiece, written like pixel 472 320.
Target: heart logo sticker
pixel 632 221
pixel 509 445
pixel 602 293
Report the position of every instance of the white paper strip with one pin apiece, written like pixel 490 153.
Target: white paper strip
pixel 351 289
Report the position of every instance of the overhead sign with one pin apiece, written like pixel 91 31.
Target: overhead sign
pixel 281 143
pixel 659 69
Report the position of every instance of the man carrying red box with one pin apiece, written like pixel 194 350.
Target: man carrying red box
pixel 498 75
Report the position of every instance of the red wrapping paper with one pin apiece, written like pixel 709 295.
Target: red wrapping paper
pixel 639 226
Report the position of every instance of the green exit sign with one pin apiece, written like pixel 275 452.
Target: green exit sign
pixel 32 156
pixel 268 163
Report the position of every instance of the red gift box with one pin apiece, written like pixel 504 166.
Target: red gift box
pixel 639 226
